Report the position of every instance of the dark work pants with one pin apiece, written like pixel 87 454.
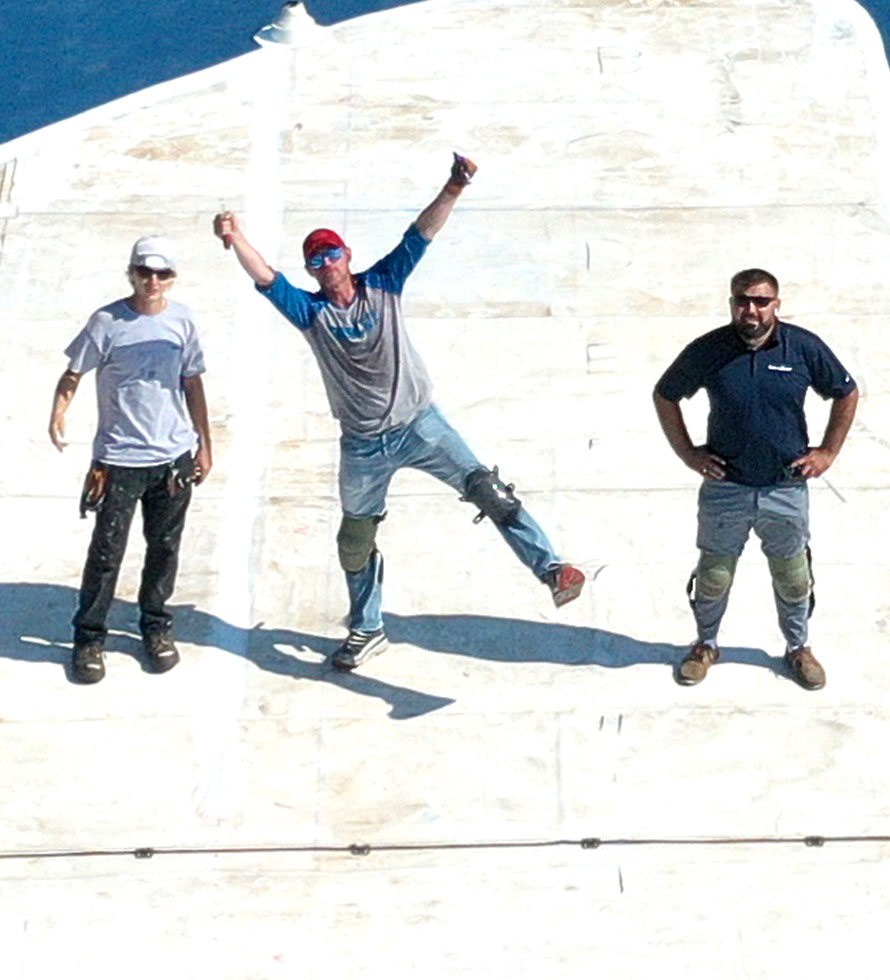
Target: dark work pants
pixel 163 519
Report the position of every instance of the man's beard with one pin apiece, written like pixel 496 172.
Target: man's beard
pixel 750 332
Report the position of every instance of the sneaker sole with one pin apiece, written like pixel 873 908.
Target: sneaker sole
pixel 344 664
pixel 160 665
pixel 804 684
pixel 688 681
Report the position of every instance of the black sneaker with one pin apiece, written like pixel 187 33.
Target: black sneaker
pixel 161 651
pixel 88 662
pixel 359 647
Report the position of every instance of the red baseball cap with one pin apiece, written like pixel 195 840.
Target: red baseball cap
pixel 321 238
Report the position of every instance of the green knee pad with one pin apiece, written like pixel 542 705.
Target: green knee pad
pixel 714 575
pixel 791 577
pixel 355 541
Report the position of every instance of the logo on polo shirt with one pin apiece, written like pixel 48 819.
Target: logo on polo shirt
pixel 780 367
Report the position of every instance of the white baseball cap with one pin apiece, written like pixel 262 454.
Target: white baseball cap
pixel 154 252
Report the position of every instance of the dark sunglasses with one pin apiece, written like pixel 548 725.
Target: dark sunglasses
pixel 144 272
pixel 317 260
pixel 759 301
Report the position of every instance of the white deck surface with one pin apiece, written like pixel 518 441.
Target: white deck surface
pixel 633 155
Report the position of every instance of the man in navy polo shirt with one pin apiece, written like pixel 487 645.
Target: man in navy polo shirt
pixel 756 461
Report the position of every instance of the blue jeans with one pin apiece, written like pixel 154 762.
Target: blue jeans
pixel 429 443
pixel 779 516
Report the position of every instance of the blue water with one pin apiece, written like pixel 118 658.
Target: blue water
pixel 61 57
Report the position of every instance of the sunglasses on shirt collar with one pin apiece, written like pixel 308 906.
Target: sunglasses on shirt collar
pixel 317 259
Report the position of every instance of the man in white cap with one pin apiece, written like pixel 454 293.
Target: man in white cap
pixel 152 442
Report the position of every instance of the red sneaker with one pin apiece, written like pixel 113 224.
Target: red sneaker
pixel 565 583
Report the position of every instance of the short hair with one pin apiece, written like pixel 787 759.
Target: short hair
pixel 751 277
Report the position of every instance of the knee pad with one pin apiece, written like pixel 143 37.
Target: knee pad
pixel 714 575
pixel 355 541
pixel 791 577
pixel 491 495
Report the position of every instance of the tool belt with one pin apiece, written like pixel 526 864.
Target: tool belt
pixel 178 475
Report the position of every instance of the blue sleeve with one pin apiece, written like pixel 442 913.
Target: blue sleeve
pixel 684 377
pixel 392 270
pixel 298 305
pixel 829 377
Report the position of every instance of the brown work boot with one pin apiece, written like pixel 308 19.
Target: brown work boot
pixel 805 668
pixel 696 662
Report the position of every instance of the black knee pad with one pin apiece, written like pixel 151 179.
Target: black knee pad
pixel 355 541
pixel 491 495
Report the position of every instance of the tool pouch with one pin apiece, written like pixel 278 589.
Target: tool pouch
pixel 181 474
pixel 95 486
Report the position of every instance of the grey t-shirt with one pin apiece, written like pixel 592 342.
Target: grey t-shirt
pixel 140 361
pixel 373 376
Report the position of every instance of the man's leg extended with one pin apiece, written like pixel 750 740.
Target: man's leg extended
pixel 435 447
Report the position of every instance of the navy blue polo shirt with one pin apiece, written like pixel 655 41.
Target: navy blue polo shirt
pixel 756 422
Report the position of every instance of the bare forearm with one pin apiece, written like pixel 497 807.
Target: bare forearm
pixel 64 393
pixel 674 427
pixel 816 461
pixel 227 227
pixel 432 219
pixel 252 262
pixel 843 411
pixel 698 458
pixel 196 403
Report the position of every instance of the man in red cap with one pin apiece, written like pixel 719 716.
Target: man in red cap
pixel 380 392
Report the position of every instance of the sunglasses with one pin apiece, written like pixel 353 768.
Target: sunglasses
pixel 317 259
pixel 761 302
pixel 144 272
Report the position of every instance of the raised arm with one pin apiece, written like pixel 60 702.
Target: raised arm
pixel 227 228
pixel 697 458
pixel 196 403
pixel 817 460
pixel 65 389
pixel 433 217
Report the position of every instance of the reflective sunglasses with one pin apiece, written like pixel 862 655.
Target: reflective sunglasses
pixel 317 260
pixel 144 272
pixel 759 301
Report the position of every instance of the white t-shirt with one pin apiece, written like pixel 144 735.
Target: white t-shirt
pixel 140 361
